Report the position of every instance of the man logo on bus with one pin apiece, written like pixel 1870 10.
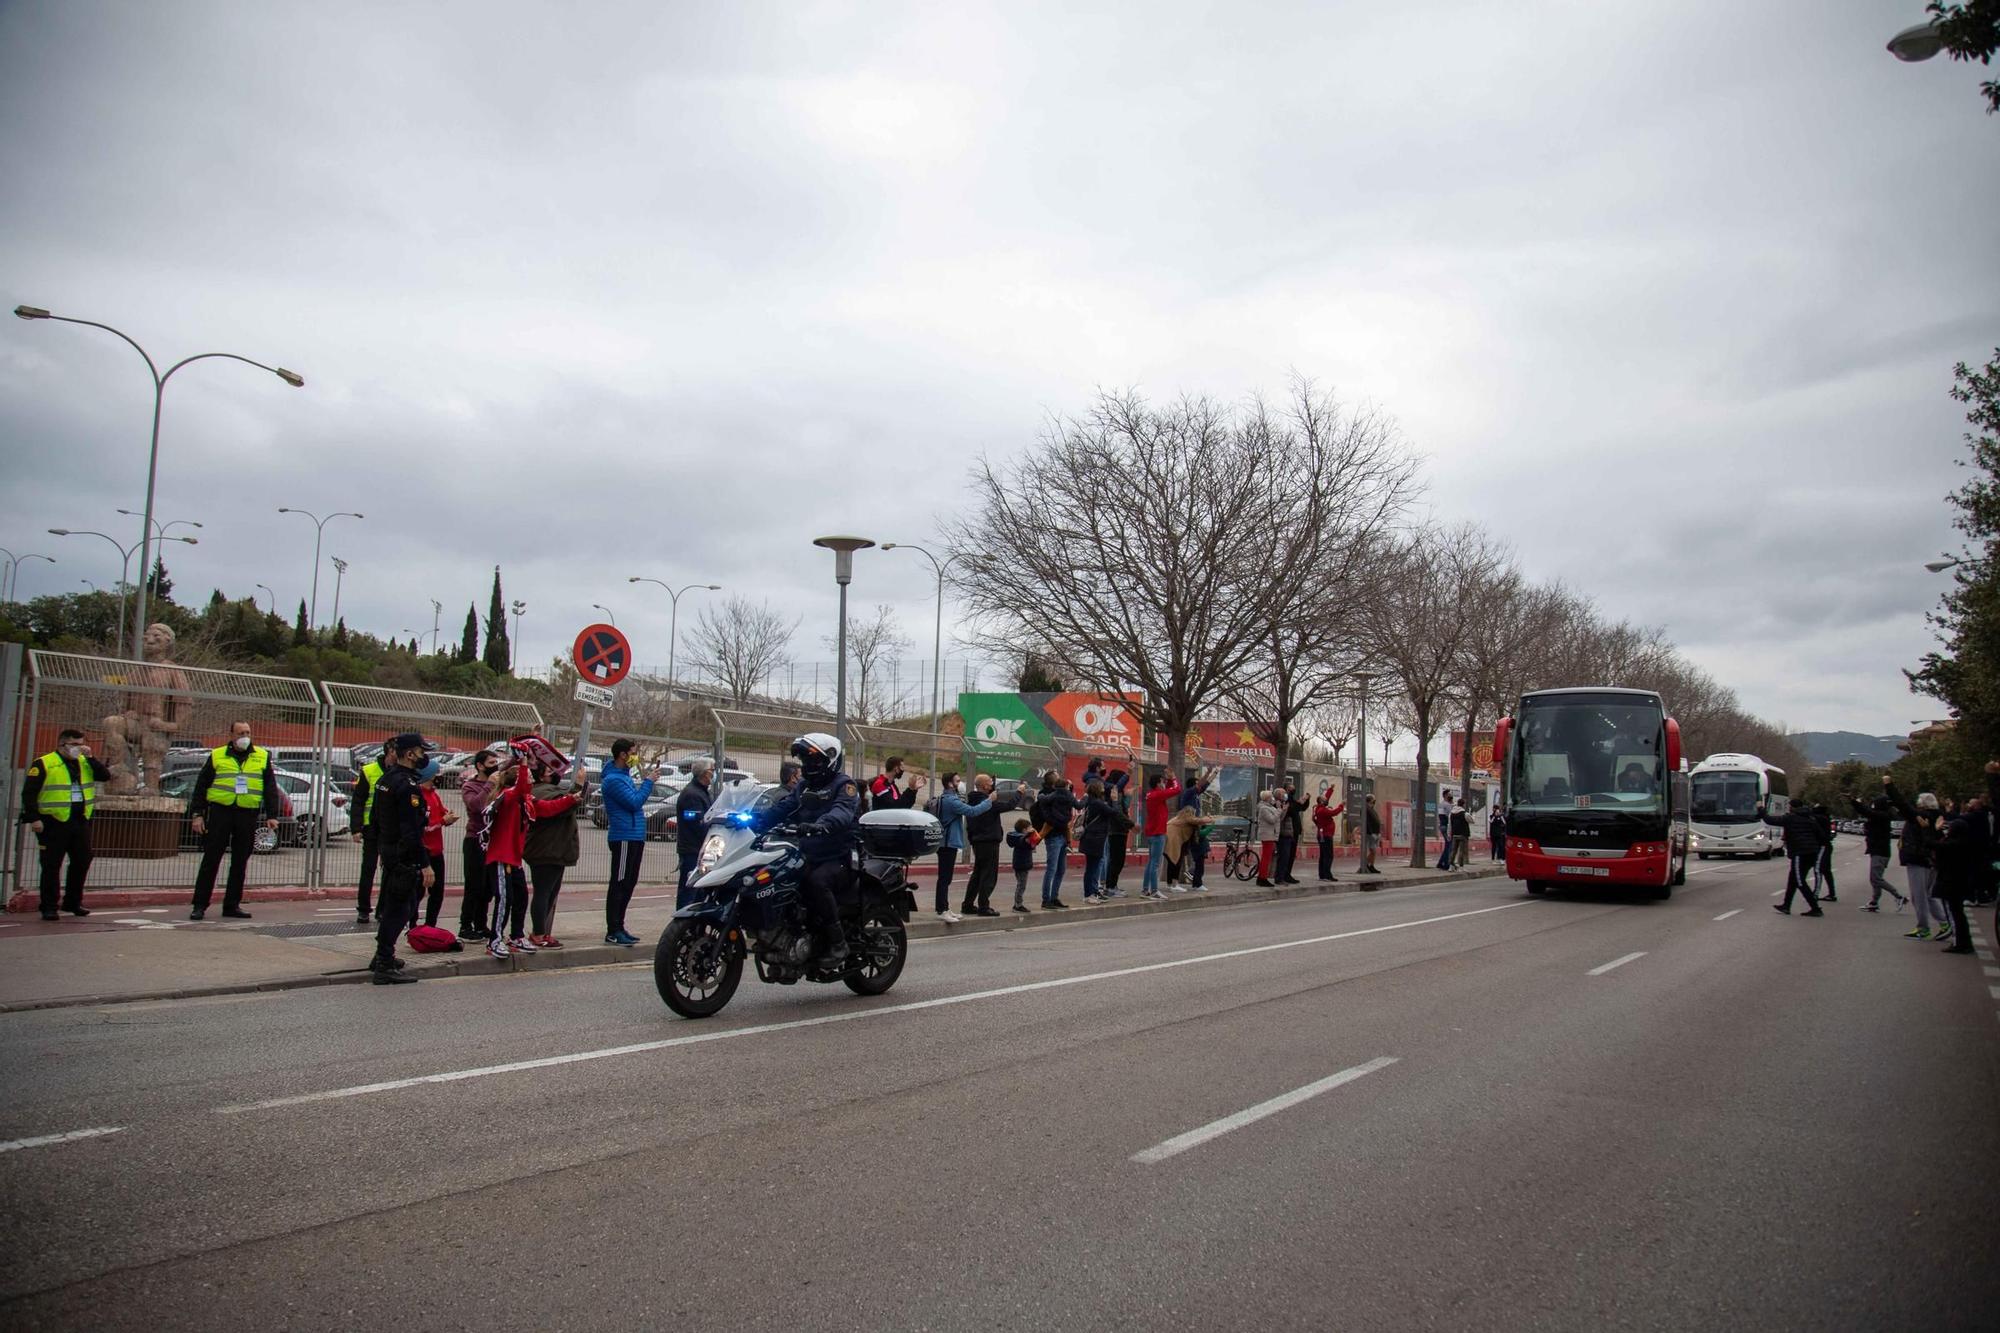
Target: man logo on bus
pixel 1097 719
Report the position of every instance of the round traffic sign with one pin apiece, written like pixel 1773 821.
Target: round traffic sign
pixel 602 656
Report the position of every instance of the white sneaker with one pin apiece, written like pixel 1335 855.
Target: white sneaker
pixel 496 947
pixel 1178 889
pixel 519 944
pixel 950 918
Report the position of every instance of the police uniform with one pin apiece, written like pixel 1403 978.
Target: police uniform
pixel 399 820
pixel 232 795
pixel 833 807
pixel 361 806
pixel 61 795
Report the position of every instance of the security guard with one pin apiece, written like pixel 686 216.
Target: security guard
pixel 397 828
pixel 230 793
pixel 361 809
pixel 58 801
pixel 829 803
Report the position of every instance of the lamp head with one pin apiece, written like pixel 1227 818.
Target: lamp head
pixel 1911 44
pixel 59 532
pixel 843 549
pixel 292 377
pixel 713 587
pixel 1939 566
pixel 191 541
pixel 31 312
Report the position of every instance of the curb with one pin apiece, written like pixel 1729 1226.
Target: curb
pixel 925 926
pixel 124 900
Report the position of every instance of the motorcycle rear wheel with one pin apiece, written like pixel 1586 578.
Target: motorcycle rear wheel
pixel 694 969
pixel 881 946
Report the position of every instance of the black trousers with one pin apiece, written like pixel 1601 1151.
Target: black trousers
pixel 548 877
pixel 816 888
pixel 60 839
pixel 1798 879
pixel 1288 853
pixel 402 886
pixel 1114 866
pixel 1326 858
pixel 947 867
pixel 371 855
pixel 435 903
pixel 625 858
pixel 1826 870
pixel 230 831
pixel 472 907
pixel 1961 927
pixel 979 885
pixel 506 901
pixel 684 893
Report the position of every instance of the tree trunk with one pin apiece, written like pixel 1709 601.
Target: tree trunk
pixel 1176 749
pixel 1419 822
pixel 1465 768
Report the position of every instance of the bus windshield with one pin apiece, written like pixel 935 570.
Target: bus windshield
pixel 1578 754
pixel 1725 798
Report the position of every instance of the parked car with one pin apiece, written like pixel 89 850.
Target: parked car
pixel 307 800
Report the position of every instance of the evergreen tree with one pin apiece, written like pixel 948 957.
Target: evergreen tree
pixel 162 588
pixel 340 634
pixel 499 653
pixel 468 644
pixel 301 631
pixel 216 602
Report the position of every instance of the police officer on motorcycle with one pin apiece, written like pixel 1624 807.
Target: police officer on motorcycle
pixel 828 803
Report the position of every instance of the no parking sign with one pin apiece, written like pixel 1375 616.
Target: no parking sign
pixel 601 655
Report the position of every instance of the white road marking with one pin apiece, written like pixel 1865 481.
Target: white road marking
pixel 1616 962
pixel 1994 991
pixel 43 1140
pixel 844 1016
pixel 1250 1115
pixel 153 911
pixel 1731 912
pixel 1991 971
pixel 131 921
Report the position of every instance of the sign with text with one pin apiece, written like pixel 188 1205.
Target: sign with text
pixel 1111 721
pixel 1234 738
pixel 594 695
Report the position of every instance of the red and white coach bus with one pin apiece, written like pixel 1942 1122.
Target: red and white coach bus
pixel 1593 790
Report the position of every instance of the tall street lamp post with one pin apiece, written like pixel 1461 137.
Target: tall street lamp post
pixel 437 619
pixel 937 643
pixel 673 631
pixel 267 588
pixel 319 531
pixel 519 608
pixel 124 570
pixel 339 573
pixel 599 606
pixel 159 528
pixel 843 549
pixel 296 380
pixel 14 563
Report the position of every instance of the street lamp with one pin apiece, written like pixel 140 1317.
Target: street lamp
pixel 292 378
pixel 673 630
pixel 159 528
pixel 1917 43
pixel 266 588
pixel 319 530
pixel 14 564
pixel 339 573
pixel 1940 566
pixel 437 619
pixel 599 606
pixel 519 608
pixel 937 641
pixel 843 549
pixel 125 569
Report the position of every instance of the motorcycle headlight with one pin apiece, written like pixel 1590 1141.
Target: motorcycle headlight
pixel 711 852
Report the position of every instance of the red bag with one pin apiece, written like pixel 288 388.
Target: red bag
pixel 433 939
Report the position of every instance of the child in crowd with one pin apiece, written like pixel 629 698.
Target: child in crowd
pixel 1022 840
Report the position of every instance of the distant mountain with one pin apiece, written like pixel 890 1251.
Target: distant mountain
pixel 1830 747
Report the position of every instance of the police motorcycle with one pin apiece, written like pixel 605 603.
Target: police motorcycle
pixel 752 908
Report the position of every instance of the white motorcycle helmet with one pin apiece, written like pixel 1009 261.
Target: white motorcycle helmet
pixel 818 755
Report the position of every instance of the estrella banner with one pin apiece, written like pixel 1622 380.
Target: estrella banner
pixel 1233 738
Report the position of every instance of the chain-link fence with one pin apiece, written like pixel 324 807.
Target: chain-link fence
pixel 154 723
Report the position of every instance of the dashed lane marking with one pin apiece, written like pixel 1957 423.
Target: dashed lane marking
pixel 1731 912
pixel 850 1015
pixel 44 1140
pixel 1250 1115
pixel 1616 962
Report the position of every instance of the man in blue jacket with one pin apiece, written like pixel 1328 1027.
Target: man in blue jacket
pixel 625 815
pixel 690 815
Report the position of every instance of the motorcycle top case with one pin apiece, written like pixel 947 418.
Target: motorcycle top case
pixel 903 834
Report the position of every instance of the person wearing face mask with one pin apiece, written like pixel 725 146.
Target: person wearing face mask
pixel 475 790
pixel 361 803
pixel 400 821
pixel 231 794
pixel 58 801
pixel 954 810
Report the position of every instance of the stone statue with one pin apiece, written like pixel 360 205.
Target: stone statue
pixel 150 713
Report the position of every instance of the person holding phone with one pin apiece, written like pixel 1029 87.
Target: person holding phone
pixel 625 819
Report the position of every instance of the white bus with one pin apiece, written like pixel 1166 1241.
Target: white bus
pixel 1724 793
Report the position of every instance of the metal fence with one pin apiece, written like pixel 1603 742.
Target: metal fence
pixel 154 724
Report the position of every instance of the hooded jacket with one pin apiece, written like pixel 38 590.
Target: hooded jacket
pixel 1801 828
pixel 509 813
pixel 552 835
pixel 1265 820
pixel 1920 829
pixel 1874 823
pixel 625 805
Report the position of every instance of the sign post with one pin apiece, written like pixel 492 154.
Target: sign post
pixel 602 657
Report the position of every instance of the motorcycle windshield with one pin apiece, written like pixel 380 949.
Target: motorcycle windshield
pixel 735 804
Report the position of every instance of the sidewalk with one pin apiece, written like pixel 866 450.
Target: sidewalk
pixel 150 961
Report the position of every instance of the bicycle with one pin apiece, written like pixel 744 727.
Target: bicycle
pixel 1239 858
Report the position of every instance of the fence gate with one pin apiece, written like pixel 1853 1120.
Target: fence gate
pixel 155 723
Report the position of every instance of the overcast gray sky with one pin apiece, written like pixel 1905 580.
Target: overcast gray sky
pixel 1668 295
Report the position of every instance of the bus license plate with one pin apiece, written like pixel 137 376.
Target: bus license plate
pixel 1602 872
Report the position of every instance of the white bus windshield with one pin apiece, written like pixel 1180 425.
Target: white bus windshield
pixel 1725 798
pixel 1582 755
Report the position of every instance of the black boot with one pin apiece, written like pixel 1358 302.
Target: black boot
pixel 833 950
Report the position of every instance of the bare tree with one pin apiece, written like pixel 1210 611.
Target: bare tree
pixel 1333 722
pixel 1506 616
pixel 1167 505
pixel 740 643
pixel 1359 478
pixel 1416 631
pixel 871 645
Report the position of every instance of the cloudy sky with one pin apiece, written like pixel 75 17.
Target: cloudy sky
pixel 1668 295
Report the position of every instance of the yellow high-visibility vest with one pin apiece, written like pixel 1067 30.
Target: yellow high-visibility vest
pixel 372 770
pixel 59 793
pixel 238 782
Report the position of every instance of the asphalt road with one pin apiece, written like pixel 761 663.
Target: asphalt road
pixel 1428 1108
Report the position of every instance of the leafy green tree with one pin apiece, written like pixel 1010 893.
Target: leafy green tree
pixel 499 657
pixel 1971 31
pixel 1965 674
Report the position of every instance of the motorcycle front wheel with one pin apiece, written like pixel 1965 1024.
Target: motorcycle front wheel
pixel 694 968
pixel 881 946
